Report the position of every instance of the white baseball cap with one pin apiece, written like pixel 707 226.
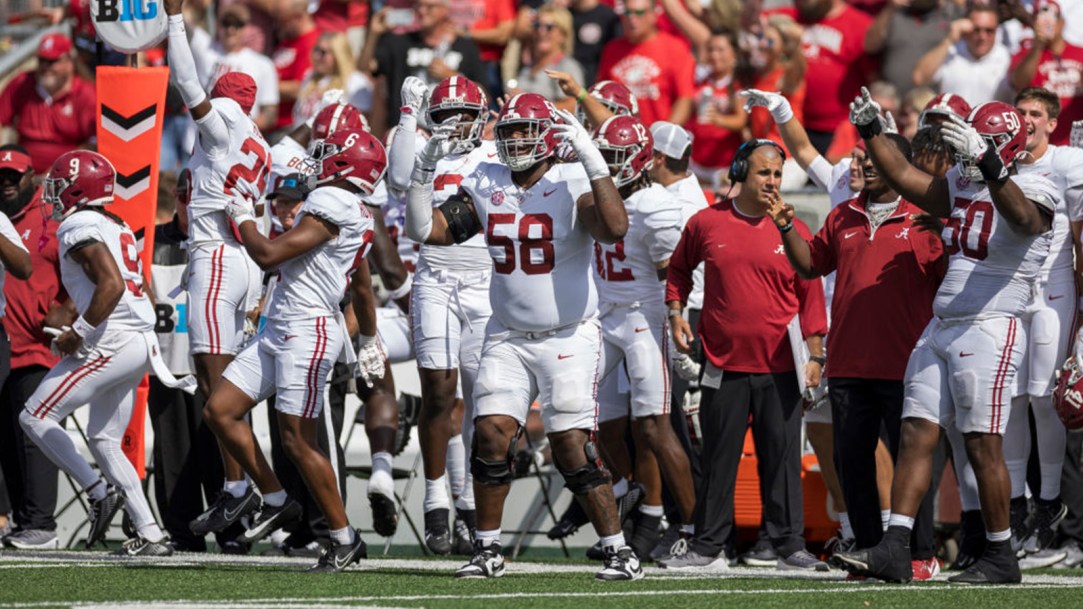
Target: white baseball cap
pixel 671 140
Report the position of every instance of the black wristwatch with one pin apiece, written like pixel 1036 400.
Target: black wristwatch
pixel 819 360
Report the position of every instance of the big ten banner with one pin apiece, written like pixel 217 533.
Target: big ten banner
pixel 131 105
pixel 129 26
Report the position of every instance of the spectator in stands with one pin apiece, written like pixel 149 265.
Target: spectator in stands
pixel 968 61
pixel 258 33
pixel 432 53
pixel 30 476
pixel 229 54
pixel 834 48
pixel 657 67
pixel 489 23
pixel 909 110
pixel 51 108
pixel 720 118
pixel 595 25
pixel 1049 61
pixel 750 296
pixel 294 55
pixel 344 17
pixel 684 23
pixel 550 49
pixel 903 31
pixel 332 68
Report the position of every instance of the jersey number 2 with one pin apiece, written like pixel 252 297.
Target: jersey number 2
pixel 542 242
pixel 255 175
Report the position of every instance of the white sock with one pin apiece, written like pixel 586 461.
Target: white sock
pixel 436 494
pixel 651 510
pixel 488 538
pixel 381 480
pixel 844 523
pixel 613 541
pixel 620 488
pixel 885 517
pixel 151 532
pixel 275 499
pixel 97 490
pixel 688 530
pixel 899 520
pixel 465 501
pixel 236 488
pixel 343 536
pixel 1004 535
pixel 456 465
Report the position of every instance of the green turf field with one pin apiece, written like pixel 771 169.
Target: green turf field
pixel 67 579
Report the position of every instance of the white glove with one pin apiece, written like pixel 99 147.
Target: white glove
pixel 370 359
pixel 240 210
pixel 888 122
pixel 414 93
pixel 441 144
pixel 573 133
pixel 330 98
pixel 776 104
pixel 1076 137
pixel 683 364
pixel 865 113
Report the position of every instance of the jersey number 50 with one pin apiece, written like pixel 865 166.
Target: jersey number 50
pixel 970 235
pixel 541 241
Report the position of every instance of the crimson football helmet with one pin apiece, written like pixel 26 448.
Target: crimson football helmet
pixel 1068 396
pixel 627 146
pixel 337 117
pixel 615 96
pixel 78 179
pixel 538 116
pixel 942 106
pixel 1001 126
pixel 460 95
pixel 351 155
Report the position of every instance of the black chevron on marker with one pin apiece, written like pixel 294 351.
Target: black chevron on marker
pixel 127 122
pixel 127 181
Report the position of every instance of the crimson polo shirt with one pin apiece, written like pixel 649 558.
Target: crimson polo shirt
pixel 49 128
pixel 750 290
pixel 885 281
pixel 30 300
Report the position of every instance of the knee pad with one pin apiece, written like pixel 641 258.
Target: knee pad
pixel 592 475
pixel 494 473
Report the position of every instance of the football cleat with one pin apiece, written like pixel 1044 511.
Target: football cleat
pixel 1047 517
pixel 339 556
pixel 487 562
pixel 101 514
pixel 385 516
pixel 463 532
pixel 137 546
pixel 997 566
pixel 924 570
pixel 569 522
pixel 437 534
pixel 272 518
pixel 621 564
pixel 888 561
pixel 225 510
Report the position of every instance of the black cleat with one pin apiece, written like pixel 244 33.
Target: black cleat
pixel 385 516
pixel 225 510
pixel 338 557
pixel 486 563
pixel 973 543
pixel 628 504
pixel 1019 524
pixel 1047 517
pixel 466 525
pixel 101 514
pixel 437 534
pixel 570 521
pixel 997 566
pixel 137 546
pixel 271 518
pixel 646 534
pixel 888 561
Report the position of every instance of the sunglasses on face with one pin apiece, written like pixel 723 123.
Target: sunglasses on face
pixel 984 30
pixel 319 51
pixel 548 27
pixel 635 12
pixel 233 24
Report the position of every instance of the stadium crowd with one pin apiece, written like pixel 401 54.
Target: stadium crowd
pixel 308 142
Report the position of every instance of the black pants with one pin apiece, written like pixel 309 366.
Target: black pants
pixel 860 410
pixel 29 475
pixel 772 401
pixel 187 463
pixel 313 525
pixel 5 370
pixel 1071 488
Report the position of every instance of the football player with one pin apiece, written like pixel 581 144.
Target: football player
pixel 108 349
pixel 997 236
pixel 450 297
pixel 304 336
pixel 539 220
pixel 630 277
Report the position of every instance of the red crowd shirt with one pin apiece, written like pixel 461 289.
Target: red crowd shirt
pixel 49 128
pixel 483 15
pixel 885 282
pixel 715 146
pixel 837 65
pixel 29 301
pixel 658 71
pixel 1061 75
pixel 760 122
pixel 335 16
pixel 750 290
pixel 292 60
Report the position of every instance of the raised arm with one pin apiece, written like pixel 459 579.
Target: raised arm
pixel 592 108
pixel 403 149
pixel 793 132
pixel 456 220
pixel 602 209
pixel 930 62
pixel 214 135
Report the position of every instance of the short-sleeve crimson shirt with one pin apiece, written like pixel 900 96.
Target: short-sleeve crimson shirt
pixel 48 128
pixel 293 59
pixel 1063 75
pixel 658 71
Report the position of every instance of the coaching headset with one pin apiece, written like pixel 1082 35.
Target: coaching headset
pixel 739 167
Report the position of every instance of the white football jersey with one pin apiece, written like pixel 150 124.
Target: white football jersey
pixel 836 181
pixel 688 188
pixel 313 283
pixel 541 253
pixel 991 267
pixel 450 172
pixel 626 271
pixel 1063 166
pixel 287 156
pixel 393 207
pixel 134 311
pixel 241 171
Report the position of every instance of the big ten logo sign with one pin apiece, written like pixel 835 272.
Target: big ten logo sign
pixel 169 323
pixel 127 10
